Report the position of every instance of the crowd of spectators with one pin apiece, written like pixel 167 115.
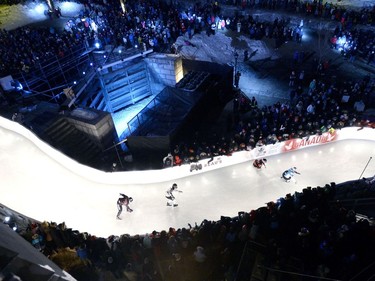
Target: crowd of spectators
pixel 154 24
pixel 351 39
pixel 280 29
pixel 11 2
pixel 146 24
pixel 308 222
pixel 312 226
pixel 354 43
pixel 364 15
pixel 315 109
pixel 26 47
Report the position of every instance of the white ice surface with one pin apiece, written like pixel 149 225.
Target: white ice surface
pixel 39 186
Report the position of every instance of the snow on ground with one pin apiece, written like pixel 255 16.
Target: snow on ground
pixel 219 47
pixel 14 16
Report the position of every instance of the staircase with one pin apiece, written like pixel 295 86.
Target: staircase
pixel 123 85
pixel 73 143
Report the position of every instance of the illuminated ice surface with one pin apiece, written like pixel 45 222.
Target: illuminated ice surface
pixel 49 186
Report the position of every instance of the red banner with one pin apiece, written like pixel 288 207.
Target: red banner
pixel 294 144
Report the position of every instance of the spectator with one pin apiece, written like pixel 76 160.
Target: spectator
pixel 199 255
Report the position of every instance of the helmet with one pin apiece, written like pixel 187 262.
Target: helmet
pixel 264 160
pixel 174 185
pixel 130 199
pixel 294 168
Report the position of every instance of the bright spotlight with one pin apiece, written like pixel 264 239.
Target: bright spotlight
pixel 39 9
pixel 68 6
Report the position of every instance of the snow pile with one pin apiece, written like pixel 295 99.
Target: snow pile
pixel 221 47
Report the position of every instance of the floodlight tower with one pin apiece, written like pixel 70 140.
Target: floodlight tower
pixel 123 5
pixel 51 5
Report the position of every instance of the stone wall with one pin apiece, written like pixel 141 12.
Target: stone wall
pixel 166 69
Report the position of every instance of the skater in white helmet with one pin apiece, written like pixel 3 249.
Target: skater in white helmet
pixel 288 175
pixel 171 198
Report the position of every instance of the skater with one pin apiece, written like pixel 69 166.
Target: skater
pixel 288 175
pixel 258 163
pixel 171 199
pixel 123 201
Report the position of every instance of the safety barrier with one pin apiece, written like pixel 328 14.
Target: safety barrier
pixel 169 174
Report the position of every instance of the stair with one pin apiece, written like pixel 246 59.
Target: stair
pixel 124 86
pixel 73 143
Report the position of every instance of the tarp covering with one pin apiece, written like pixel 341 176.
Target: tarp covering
pixel 165 113
pixel 159 121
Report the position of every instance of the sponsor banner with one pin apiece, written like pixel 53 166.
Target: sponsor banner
pixel 215 162
pixel 294 144
pixel 266 150
pixel 286 146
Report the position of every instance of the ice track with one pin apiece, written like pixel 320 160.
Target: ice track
pixel 46 186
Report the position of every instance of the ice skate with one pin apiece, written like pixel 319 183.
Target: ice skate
pixel 118 218
pixel 169 204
